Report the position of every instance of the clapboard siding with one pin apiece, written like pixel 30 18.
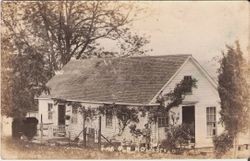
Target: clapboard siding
pixel 206 95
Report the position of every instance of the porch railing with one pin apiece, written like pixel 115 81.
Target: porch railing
pixel 51 130
pixel 59 130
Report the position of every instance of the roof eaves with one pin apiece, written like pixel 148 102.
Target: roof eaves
pixel 102 102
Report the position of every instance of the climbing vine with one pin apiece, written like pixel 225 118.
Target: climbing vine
pixel 173 98
pixel 166 101
pixel 130 115
pixel 124 114
pixel 88 112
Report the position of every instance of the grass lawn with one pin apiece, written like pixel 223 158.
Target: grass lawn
pixel 17 149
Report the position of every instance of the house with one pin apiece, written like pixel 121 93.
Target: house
pixel 134 82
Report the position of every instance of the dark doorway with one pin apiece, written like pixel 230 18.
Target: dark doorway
pixel 188 118
pixel 91 135
pixel 61 114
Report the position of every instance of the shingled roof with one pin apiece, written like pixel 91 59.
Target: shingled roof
pixel 133 80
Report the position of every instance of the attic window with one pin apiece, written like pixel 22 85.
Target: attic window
pixel 188 81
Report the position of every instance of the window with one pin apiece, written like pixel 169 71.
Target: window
pixel 109 117
pixel 188 81
pixel 162 121
pixel 211 121
pixel 74 115
pixel 50 111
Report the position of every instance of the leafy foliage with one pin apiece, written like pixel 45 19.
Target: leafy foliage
pixel 233 92
pixel 222 144
pixel 38 38
pixel 24 75
pixel 30 127
pixel 87 112
pixel 124 114
pixel 171 99
pixel 67 29
pixel 135 131
pixel 177 138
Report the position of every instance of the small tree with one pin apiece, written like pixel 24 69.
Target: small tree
pixel 233 93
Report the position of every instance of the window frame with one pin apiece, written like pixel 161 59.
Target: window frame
pixel 74 115
pixel 162 123
pixel 50 111
pixel 188 78
pixel 109 118
pixel 211 121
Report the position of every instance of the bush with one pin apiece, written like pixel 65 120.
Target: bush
pixel 177 138
pixel 222 144
pixel 17 126
pixel 30 127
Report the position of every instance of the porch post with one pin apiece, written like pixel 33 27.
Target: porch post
pixel 83 127
pixel 99 132
pixel 41 127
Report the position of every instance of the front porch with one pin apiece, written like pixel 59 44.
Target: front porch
pixel 51 131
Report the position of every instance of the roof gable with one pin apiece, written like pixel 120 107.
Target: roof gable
pixel 133 80
pixel 182 71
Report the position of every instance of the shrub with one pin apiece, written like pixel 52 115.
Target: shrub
pixel 222 144
pixel 177 138
pixel 17 125
pixel 30 127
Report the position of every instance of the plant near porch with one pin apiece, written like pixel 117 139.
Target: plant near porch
pixel 171 99
pixel 124 114
pixel 168 101
pixel 178 137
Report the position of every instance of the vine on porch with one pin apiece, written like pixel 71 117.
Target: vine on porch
pixel 130 115
pixel 124 114
pixel 166 101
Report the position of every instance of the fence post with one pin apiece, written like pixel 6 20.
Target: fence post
pixel 99 132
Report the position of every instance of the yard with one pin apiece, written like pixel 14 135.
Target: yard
pixel 17 149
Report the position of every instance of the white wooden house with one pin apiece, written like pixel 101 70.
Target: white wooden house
pixel 132 82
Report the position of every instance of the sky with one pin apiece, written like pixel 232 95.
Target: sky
pixel 198 28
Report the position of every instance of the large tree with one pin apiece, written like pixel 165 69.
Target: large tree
pixel 38 38
pixel 67 29
pixel 233 92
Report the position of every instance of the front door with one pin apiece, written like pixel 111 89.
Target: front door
pixel 91 135
pixel 61 114
pixel 188 118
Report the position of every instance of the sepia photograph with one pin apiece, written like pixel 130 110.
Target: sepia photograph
pixel 125 80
